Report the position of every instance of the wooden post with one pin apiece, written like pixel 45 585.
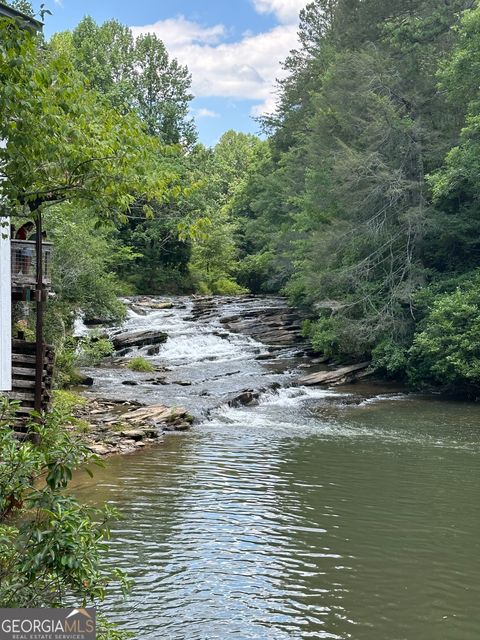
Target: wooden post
pixel 39 301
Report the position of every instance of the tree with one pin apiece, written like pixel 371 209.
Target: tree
pixel 105 56
pixel 24 6
pixel 85 260
pixel 137 77
pixel 215 253
pixel 70 152
pixel 344 199
pixel 459 177
pixel 162 92
pixel 445 350
pixel 134 74
pixel 64 143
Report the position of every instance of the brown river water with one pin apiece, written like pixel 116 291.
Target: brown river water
pixel 352 513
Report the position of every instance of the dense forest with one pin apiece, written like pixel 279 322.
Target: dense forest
pixel 359 201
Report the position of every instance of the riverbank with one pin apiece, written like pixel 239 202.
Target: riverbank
pixel 111 427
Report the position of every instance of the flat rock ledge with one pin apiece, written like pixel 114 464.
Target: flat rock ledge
pixel 138 339
pixel 276 325
pixel 114 427
pixel 343 375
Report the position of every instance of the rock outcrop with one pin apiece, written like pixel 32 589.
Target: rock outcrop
pixel 110 427
pixel 159 416
pixel 154 304
pixel 128 340
pixel 246 398
pixel 275 325
pixel 343 375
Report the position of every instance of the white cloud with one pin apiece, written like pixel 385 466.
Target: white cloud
pixel 285 10
pixel 205 113
pixel 246 69
pixel 265 107
pixel 177 32
pixel 59 2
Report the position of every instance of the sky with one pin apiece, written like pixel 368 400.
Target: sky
pixel 233 48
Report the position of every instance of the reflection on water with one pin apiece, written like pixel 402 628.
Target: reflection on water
pixel 314 515
pixel 303 527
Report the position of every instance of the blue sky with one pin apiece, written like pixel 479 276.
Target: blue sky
pixel 233 49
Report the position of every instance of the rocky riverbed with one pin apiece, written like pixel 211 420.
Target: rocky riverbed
pixel 116 427
pixel 204 353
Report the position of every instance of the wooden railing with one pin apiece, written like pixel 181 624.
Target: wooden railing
pixel 24 260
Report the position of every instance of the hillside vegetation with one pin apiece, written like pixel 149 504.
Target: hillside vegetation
pixel 359 202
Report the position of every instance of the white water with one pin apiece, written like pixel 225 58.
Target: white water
pixel 215 362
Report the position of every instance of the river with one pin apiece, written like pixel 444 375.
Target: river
pixel 348 513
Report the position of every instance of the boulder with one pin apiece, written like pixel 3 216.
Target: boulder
pixel 138 339
pixel 139 310
pixel 85 381
pixel 176 426
pixel 174 418
pixel 342 375
pixel 92 321
pixel 153 351
pixel 155 304
pixel 133 434
pixel 123 352
pixel 99 449
pixel 246 398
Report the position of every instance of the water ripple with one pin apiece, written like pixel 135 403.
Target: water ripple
pixel 310 516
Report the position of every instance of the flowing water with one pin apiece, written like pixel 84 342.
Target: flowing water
pixel 316 514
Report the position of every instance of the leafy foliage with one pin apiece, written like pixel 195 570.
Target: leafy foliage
pixel 93 348
pixel 367 196
pixel 50 550
pixel 446 347
pixel 135 74
pixel 362 205
pixel 85 258
pixel 86 165
pixel 215 252
pixel 94 153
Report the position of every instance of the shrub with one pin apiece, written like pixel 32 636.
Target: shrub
pixel 93 348
pixel 227 287
pixel 73 353
pixel 203 288
pixel 390 358
pixel 66 372
pixel 50 546
pixel 67 403
pixel 446 348
pixel 140 365
pixel 257 272
pixel 324 336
